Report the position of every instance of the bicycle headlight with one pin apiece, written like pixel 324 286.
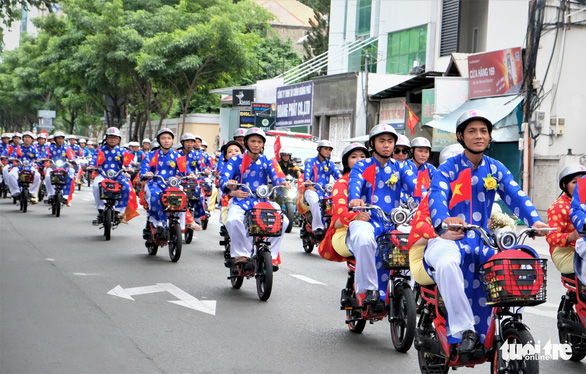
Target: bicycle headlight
pixel 329 187
pixel 262 191
pixel 505 238
pixel 412 204
pixel 59 163
pixel 292 193
pixel 173 182
pixel 399 216
pixel 26 163
pixel 110 173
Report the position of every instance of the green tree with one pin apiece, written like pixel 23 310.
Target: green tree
pixel 317 39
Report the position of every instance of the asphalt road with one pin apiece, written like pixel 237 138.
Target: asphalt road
pixel 70 302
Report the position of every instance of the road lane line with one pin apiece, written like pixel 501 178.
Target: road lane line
pixel 306 279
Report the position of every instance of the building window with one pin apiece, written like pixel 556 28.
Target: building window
pixel 463 26
pixel 363 17
pixel 24 21
pixel 405 49
pixel 367 55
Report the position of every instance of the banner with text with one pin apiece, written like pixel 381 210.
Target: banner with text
pixel 294 105
pixel 495 73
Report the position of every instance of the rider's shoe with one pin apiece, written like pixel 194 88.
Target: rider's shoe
pixel 470 342
pixel 242 260
pixel 319 234
pixel 34 200
pixel 16 196
pixel 372 297
pixel 275 268
pixel 67 203
pixel 194 226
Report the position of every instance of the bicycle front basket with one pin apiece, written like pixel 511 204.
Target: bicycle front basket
pixel 264 220
pixel 174 200
pixel 393 250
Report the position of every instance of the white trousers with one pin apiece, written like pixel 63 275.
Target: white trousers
pixel 12 182
pixel 5 171
pixel 313 200
pixel 240 242
pixel 445 258
pixel 362 242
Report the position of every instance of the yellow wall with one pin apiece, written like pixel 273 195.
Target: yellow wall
pixel 209 132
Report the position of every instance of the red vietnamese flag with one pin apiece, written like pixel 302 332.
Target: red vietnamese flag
pixel 128 157
pixel 132 207
pixel 277 147
pixel 246 160
pixel 278 169
pixel 582 189
pixel 70 153
pixel 155 159
pixel 315 174
pixel 19 151
pixel 461 187
pixel 411 120
pixel 182 163
pixel 422 181
pixel 101 157
pixel 370 175
pixel 10 149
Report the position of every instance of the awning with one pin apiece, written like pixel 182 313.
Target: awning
pixel 502 111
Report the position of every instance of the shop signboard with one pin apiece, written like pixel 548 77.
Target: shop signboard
pixel 441 139
pixel 392 112
pixel 246 119
pixel 260 107
pixel 495 73
pixel 294 105
pixel 242 97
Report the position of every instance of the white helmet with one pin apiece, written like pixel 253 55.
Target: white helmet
pixel 404 141
pixel 42 135
pixel 324 143
pixel 17 134
pixel 450 151
pixel 50 137
pixel 198 137
pixel 113 131
pixel 381 128
pixel 82 141
pixel 239 132
pixel 255 131
pixel 285 151
pixel 90 142
pixel 204 143
pixel 28 133
pixel 59 134
pixel 570 171
pixel 351 148
pixel 165 131
pixel 134 144
pixel 420 142
pixel 146 140
pixel 72 137
pixel 5 135
pixel 187 136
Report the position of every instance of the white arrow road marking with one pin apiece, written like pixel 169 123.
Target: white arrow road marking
pixel 185 299
pixel 306 279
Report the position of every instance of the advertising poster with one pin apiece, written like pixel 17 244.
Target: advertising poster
pixel 427 105
pixel 242 97
pixel 495 73
pixel 294 105
pixel 392 112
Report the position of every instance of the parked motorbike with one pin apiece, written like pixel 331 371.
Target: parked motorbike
pixel 110 192
pixel 173 201
pixel 261 221
pixel 514 277
pixel 399 304
pixel 306 233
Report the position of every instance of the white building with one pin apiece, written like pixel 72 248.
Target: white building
pixel 13 34
pixel 436 36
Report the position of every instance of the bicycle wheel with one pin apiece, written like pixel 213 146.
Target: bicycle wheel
pixel 175 242
pixel 188 236
pixel 24 196
pixel 108 222
pixel 264 275
pixel 403 319
pixel 58 200
pixel 575 341
pixel 512 336
pixel 235 280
